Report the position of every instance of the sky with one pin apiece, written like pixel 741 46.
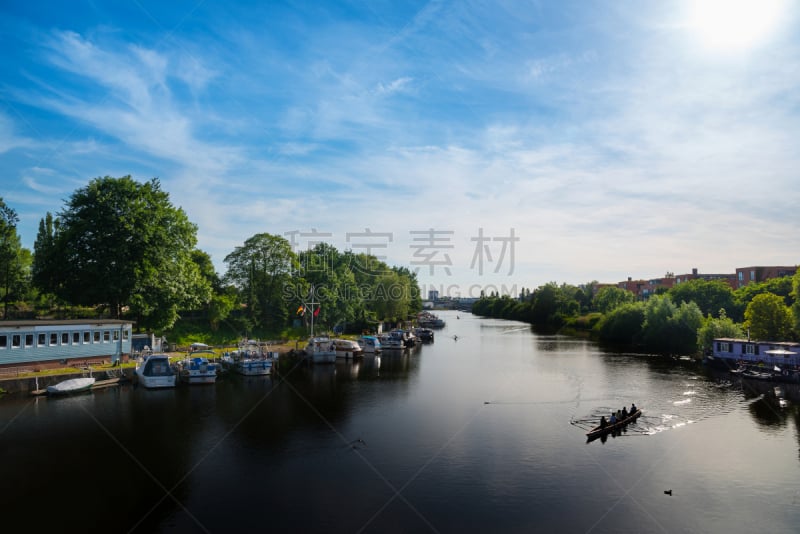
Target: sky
pixel 488 145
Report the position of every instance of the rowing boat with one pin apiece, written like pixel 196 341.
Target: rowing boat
pixel 598 431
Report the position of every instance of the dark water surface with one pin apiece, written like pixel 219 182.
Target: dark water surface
pixel 485 433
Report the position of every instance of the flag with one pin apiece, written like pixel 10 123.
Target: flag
pixel 316 312
pixel 301 310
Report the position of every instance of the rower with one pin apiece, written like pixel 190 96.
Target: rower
pixel 624 412
pixel 613 418
pixel 633 409
pixel 603 422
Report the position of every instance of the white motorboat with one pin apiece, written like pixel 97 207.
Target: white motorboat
pixel 249 360
pixel 396 340
pixel 197 369
pixel 251 366
pixel 321 350
pixel 73 385
pixel 154 371
pixel 370 344
pixel 347 348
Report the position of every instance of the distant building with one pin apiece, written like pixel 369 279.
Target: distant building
pixel 730 279
pixel 746 275
pixel 644 289
pixel 433 295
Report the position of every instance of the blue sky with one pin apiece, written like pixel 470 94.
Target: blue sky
pixel 588 140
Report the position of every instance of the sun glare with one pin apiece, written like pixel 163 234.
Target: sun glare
pixel 734 24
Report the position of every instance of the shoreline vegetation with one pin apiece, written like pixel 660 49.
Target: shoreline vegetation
pixel 120 249
pixel 683 320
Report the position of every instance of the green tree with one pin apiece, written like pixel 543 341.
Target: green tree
pixel 261 270
pixel 46 274
pixel 709 295
pixel 671 329
pixel 610 298
pixel 14 269
pixel 623 324
pixel 720 327
pixel 544 304
pixel 781 286
pixel 206 269
pixel 768 318
pixel 796 297
pixel 122 244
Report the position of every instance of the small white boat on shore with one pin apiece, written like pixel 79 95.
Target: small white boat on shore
pixel 73 385
pixel 154 371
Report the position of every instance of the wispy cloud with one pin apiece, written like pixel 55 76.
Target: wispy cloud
pixel 603 138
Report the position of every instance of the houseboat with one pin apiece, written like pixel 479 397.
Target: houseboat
pixel 781 359
pixel 40 344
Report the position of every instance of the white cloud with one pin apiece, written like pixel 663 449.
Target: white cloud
pixel 394 86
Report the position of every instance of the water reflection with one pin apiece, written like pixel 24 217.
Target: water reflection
pixel 467 435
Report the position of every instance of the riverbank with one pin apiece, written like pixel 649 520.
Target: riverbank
pixel 32 381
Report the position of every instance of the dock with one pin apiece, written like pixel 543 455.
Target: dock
pixel 100 384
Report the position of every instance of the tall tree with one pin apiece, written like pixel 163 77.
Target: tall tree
pixel 623 324
pixel 671 329
pixel 12 268
pixel 261 269
pixel 121 243
pixel 768 318
pixel 46 273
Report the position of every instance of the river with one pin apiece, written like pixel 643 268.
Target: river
pixel 481 431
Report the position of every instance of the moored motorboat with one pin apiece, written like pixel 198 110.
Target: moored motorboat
pixel 73 385
pixel 347 348
pixel 598 431
pixel 392 341
pixel 249 360
pixel 428 320
pixel 369 344
pixel 321 350
pixel 424 334
pixel 155 371
pixel 754 374
pixel 197 369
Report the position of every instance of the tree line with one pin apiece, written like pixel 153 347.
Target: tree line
pixel 119 248
pixel 681 320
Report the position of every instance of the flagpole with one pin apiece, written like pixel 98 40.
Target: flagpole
pixel 310 306
pixel 312 311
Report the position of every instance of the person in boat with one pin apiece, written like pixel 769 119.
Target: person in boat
pixel 619 415
pixel 613 419
pixel 603 422
pixel 624 412
pixel 633 409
